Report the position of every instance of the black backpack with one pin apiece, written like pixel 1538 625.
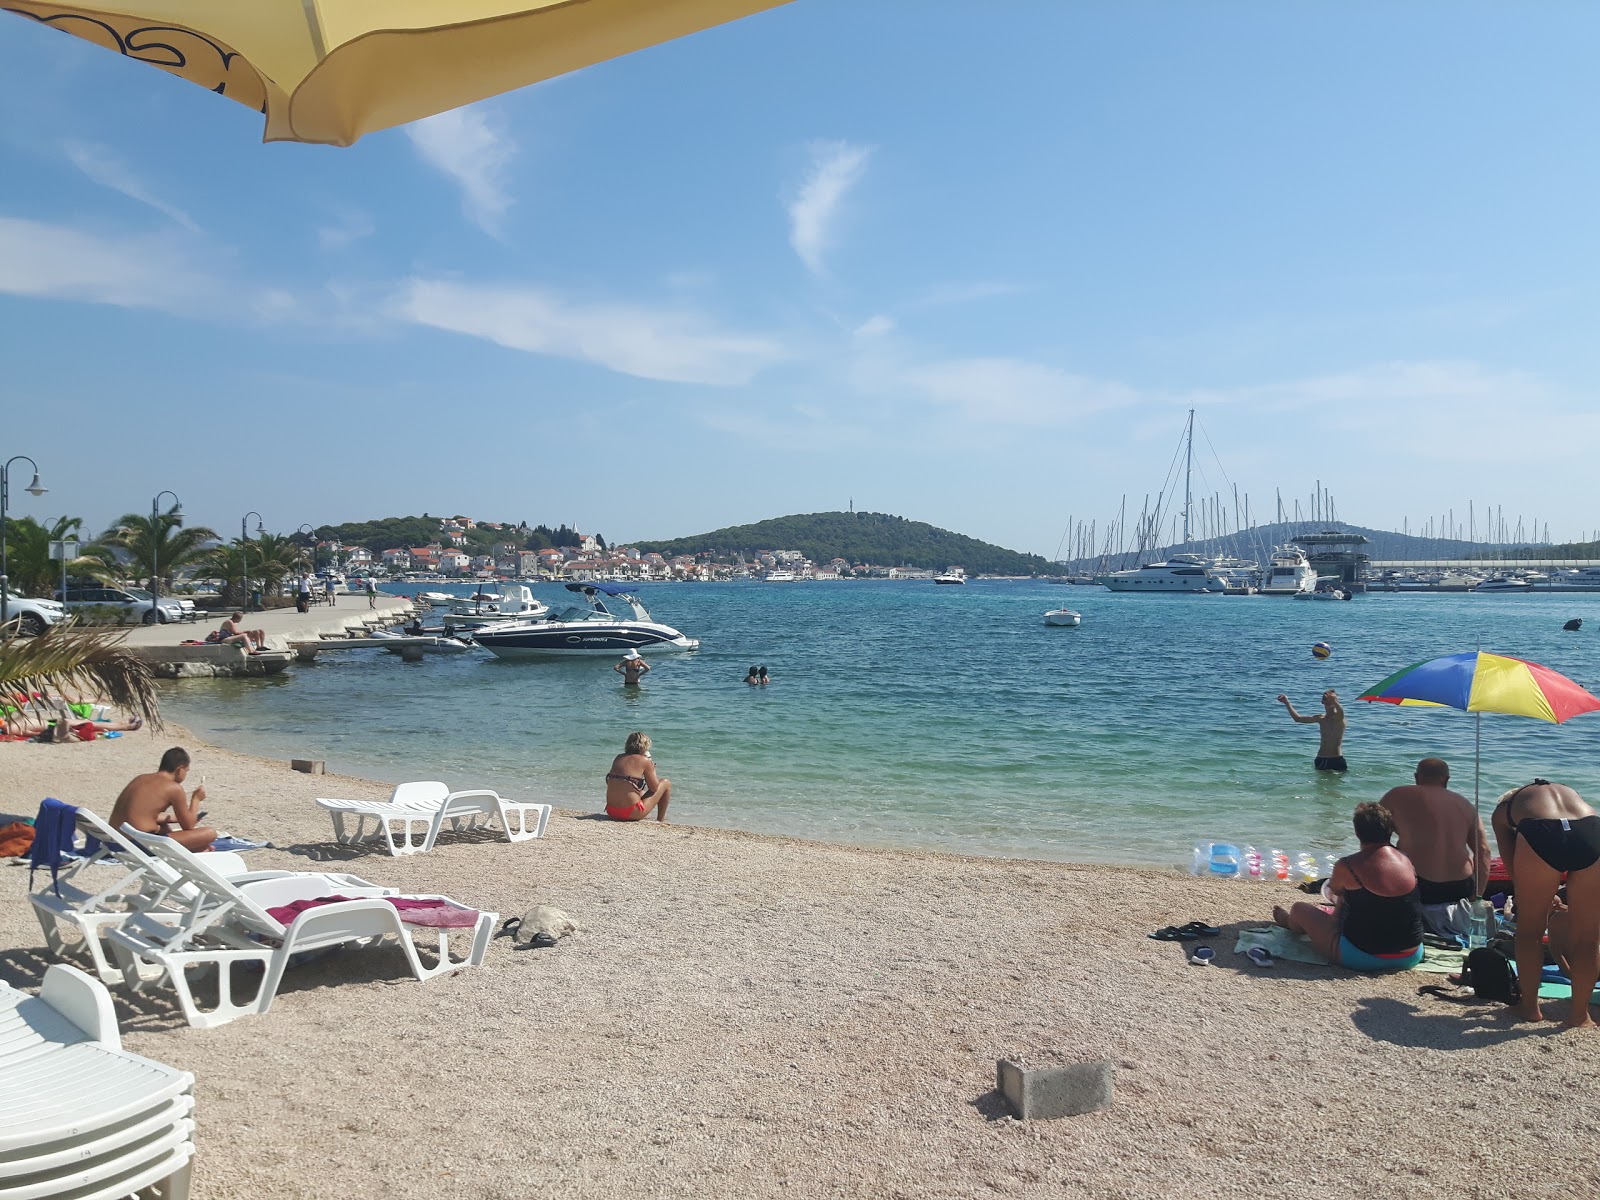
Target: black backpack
pixel 1488 973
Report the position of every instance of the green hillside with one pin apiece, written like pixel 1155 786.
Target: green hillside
pixel 861 537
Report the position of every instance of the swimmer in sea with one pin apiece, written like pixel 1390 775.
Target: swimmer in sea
pixel 752 678
pixel 632 786
pixel 632 668
pixel 1330 721
pixel 761 676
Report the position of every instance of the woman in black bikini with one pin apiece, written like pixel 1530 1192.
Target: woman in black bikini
pixel 632 788
pixel 1559 833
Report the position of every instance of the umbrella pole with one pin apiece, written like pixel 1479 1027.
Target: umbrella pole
pixel 1477 762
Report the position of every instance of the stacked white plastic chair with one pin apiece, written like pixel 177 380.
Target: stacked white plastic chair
pixel 79 1116
pixel 411 820
pixel 214 924
pixel 99 891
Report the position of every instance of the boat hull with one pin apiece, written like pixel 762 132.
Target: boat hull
pixel 1063 616
pixel 563 639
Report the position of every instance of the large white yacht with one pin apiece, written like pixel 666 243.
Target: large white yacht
pixel 951 575
pixel 778 576
pixel 1288 573
pixel 1180 573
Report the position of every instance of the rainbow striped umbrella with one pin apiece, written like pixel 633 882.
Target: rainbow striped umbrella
pixel 1477 681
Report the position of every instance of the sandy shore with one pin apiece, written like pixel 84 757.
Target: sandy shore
pixel 752 1016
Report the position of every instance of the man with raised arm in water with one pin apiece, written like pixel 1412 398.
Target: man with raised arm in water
pixel 1330 753
pixel 156 803
pixel 1441 834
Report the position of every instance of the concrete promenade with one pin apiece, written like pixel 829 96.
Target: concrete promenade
pixel 162 644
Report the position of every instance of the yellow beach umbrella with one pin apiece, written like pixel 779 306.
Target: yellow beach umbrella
pixel 329 71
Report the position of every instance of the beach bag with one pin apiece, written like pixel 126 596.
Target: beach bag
pixel 1488 973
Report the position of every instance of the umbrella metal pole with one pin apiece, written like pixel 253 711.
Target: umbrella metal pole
pixel 1477 762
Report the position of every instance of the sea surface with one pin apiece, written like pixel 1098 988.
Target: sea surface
pixel 911 715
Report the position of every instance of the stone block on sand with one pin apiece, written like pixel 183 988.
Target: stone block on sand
pixel 308 766
pixel 1044 1093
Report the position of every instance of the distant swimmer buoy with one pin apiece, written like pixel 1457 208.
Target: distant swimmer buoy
pixel 1573 625
pixel 1321 650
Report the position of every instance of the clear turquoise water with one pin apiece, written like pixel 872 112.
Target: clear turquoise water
pixel 905 714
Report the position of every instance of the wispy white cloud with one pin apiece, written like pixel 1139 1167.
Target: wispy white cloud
pixel 463 145
pixel 874 326
pixel 58 262
pixel 1017 392
pixel 962 293
pixel 101 166
pixel 352 225
pixel 669 343
pixel 836 167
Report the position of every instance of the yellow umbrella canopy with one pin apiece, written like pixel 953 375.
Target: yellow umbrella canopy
pixel 329 71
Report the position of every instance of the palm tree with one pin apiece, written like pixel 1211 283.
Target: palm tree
pixel 66 658
pixel 162 543
pixel 32 571
pixel 273 557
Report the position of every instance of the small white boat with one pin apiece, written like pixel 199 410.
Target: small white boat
pixel 1503 583
pixel 437 599
pixel 1063 616
pixel 956 575
pixel 407 644
pixel 1324 593
pixel 512 605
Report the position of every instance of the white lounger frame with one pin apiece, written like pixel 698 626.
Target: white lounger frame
pixel 80 1116
pixel 423 807
pixel 99 891
pixel 221 926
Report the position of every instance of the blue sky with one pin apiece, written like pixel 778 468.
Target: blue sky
pixel 965 263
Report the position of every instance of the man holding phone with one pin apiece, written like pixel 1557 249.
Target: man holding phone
pixel 156 803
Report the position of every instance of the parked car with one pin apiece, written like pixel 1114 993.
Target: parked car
pixel 33 617
pixel 127 607
pixel 185 605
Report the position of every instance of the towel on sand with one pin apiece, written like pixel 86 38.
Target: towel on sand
pixel 1280 943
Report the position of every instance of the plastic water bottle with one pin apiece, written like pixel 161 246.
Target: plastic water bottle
pixel 1479 914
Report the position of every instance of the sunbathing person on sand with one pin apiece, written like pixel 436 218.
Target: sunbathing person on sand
pixel 1375 923
pixel 632 787
pixel 156 803
pixel 1543 829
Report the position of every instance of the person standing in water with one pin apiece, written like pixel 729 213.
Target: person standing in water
pixel 632 668
pixel 1330 753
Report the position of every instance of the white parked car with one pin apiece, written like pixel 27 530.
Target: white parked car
pixel 33 617
pixel 127 607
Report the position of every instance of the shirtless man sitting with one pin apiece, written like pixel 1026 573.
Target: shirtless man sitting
pixel 232 635
pixel 1330 751
pixel 156 803
pixel 1441 834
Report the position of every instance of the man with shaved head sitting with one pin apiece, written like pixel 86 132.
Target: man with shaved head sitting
pixel 1442 836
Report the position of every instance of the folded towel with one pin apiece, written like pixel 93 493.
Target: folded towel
pixel 414 910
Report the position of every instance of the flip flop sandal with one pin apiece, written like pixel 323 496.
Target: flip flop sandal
pixel 1203 956
pixel 1200 929
pixel 1173 934
pixel 1260 956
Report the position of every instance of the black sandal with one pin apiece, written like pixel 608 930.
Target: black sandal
pixel 1173 934
pixel 1200 929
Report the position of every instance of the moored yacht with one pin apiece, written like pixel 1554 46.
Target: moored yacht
pixel 1288 573
pixel 596 629
pixel 951 575
pixel 512 602
pixel 1502 583
pixel 779 577
pixel 1180 573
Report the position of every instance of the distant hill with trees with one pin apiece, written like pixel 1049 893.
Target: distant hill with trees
pixel 859 537
pixel 387 533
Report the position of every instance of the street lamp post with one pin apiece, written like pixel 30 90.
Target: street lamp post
pixel 244 554
pixel 33 489
pixel 155 538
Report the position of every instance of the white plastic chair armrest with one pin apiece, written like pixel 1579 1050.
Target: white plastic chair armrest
pixel 83 1001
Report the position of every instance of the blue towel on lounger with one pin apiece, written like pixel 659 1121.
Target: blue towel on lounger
pixel 55 832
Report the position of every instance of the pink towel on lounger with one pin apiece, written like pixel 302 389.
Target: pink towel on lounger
pixel 435 914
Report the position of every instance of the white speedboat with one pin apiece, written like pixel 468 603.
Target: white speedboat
pixel 1063 616
pixel 1180 573
pixel 1324 592
pixel 1288 573
pixel 1502 583
pixel 437 599
pixel 952 575
pixel 598 628
pixel 512 603
pixel 406 644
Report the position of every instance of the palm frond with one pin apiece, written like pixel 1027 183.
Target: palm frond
pixel 93 662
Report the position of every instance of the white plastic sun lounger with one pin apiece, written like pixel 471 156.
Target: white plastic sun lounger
pixel 99 891
pixel 223 926
pixel 79 1116
pixel 423 807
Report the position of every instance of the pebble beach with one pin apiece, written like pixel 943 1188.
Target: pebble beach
pixel 743 1015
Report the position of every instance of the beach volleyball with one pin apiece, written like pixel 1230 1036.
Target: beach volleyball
pixel 1321 650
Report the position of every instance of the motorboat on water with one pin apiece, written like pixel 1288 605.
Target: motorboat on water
pixel 1180 573
pixel 512 603
pixel 611 622
pixel 437 599
pixel 779 577
pixel 1502 583
pixel 1063 616
pixel 957 575
pixel 1288 573
pixel 1324 591
pixel 408 644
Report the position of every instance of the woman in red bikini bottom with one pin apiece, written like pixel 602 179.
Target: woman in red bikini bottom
pixel 632 786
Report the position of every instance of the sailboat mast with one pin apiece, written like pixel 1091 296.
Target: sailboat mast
pixel 1188 470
